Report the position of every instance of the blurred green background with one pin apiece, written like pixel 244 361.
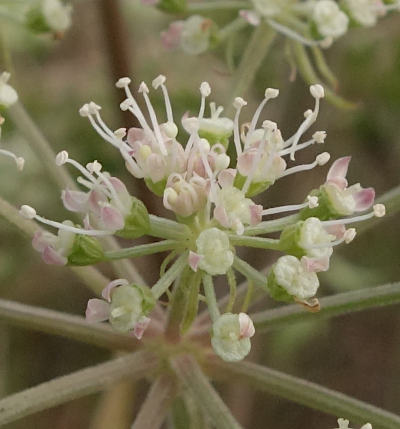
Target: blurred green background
pixel 357 354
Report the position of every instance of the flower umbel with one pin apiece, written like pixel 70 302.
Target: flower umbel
pixel 210 194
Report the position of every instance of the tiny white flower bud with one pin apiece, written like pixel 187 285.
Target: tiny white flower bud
pixel 312 201
pixel 143 88
pixel 27 212
pixel 319 136
pixel 123 82
pixel 317 91
pixel 120 133
pixel 239 102
pixel 205 89
pixel 379 210
pixel 170 129
pixel 61 158
pixel 158 81
pixel 323 158
pixel 84 110
pixel 271 93
pixel 349 235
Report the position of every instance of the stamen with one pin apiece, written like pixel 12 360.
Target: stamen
pixel 18 159
pixel 269 94
pixel 63 158
pixel 318 137
pixel 379 210
pixel 143 89
pixel 160 81
pixel 321 159
pixel 238 104
pixel 30 213
pixel 205 91
pixel 347 238
pixel 312 202
pixel 317 91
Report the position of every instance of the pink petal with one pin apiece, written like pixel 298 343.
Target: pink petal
pixel 52 257
pixel 135 134
pixel 95 198
pixel 118 185
pixel 251 17
pixel 336 230
pixel 194 259
pixel 221 216
pixel 226 177
pixel 140 327
pixel 315 265
pixel 42 239
pixel 106 292
pixel 245 161
pixel 74 201
pixel 255 214
pixel 171 38
pixel 339 169
pixel 364 199
pixel 340 182
pixel 246 326
pixel 97 310
pixel 112 219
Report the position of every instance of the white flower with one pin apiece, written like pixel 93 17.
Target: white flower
pixel 329 19
pixel 231 335
pixel 365 12
pixel 195 35
pixel 213 247
pixel 313 234
pixel 8 95
pixel 291 275
pixel 57 15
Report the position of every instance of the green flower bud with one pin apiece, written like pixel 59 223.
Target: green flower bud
pixel 288 279
pixel 137 222
pixel 129 303
pixel 85 250
pixel 231 336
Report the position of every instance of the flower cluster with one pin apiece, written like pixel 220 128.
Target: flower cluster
pixel 211 195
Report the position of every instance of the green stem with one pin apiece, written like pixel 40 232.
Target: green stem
pixel 40 145
pixel 305 393
pixel 75 385
pixel 230 275
pixel 208 6
pixel 155 408
pixel 269 226
pixel 250 273
pixel 169 277
pixel 141 250
pixel 323 67
pixel 168 229
pixel 257 242
pixel 211 299
pixel 66 325
pixel 252 58
pixel 331 306
pixel 306 69
pixel 192 377
pixel 93 278
pixel 233 27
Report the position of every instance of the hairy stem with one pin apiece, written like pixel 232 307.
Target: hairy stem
pixel 75 385
pixel 169 229
pixel 250 273
pixel 156 405
pixel 196 382
pixel 305 393
pixel 257 242
pixel 141 250
pixel 65 325
pixel 169 277
pixel 331 306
